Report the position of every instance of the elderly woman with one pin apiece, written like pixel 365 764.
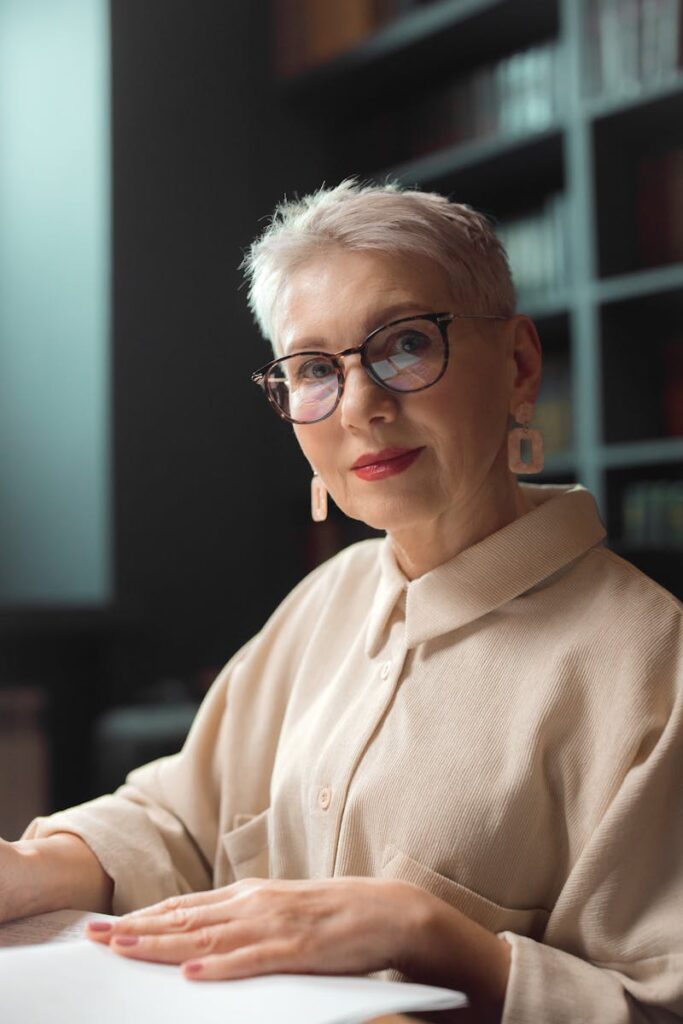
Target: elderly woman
pixel 454 753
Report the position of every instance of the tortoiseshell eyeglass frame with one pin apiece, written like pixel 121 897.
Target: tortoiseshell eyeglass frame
pixel 442 320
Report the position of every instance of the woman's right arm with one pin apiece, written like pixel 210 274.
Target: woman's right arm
pixel 39 875
pixel 159 834
pixel 156 836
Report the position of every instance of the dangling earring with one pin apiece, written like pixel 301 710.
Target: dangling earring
pixel 523 415
pixel 318 499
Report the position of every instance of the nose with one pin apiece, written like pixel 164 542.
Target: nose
pixel 362 400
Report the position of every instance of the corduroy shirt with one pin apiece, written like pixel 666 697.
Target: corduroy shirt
pixel 505 731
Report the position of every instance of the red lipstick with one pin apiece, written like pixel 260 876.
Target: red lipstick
pixel 388 462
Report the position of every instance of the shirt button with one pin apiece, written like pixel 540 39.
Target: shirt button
pixel 325 797
pixel 385 670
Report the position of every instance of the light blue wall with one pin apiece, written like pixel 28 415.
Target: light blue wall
pixel 54 302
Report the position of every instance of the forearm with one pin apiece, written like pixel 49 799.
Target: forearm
pixel 448 949
pixel 61 871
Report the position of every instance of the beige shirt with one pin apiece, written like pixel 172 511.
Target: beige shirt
pixel 505 731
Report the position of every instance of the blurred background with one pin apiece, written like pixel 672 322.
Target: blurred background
pixel 153 510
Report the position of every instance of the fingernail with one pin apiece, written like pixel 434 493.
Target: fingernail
pixel 125 940
pixel 193 967
pixel 100 926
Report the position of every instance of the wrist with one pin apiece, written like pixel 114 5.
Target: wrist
pixel 34 888
pixel 62 871
pixel 449 949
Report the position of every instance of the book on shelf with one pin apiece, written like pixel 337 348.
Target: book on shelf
pixel 517 95
pixel 332 28
pixel 307 33
pixel 553 412
pixel 661 45
pixel 287 40
pixel 652 513
pixel 659 207
pixel 632 44
pixel 527 98
pixel 389 10
pixel 536 246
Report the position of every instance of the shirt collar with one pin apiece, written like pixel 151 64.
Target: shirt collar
pixel 561 526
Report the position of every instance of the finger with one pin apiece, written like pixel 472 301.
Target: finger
pixel 174 949
pixel 98 931
pixel 189 899
pixel 180 913
pixel 274 957
pixel 184 919
pixel 207 896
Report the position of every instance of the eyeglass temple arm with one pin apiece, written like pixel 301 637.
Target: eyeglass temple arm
pixel 479 316
pixel 259 376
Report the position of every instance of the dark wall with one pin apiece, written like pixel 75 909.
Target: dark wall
pixel 211 492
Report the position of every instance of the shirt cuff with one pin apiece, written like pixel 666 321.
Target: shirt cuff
pixel 547 984
pixel 141 874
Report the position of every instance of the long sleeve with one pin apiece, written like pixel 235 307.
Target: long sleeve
pixel 162 832
pixel 613 947
pixel 156 835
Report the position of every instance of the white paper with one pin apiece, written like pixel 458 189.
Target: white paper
pixel 57 926
pixel 68 980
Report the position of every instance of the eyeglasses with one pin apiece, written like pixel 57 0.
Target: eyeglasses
pixel 403 356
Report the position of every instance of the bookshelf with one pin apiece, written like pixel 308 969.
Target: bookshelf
pixel 591 172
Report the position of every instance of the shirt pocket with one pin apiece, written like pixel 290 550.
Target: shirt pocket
pixel 246 846
pixel 530 922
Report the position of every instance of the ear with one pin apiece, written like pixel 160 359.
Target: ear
pixel 525 361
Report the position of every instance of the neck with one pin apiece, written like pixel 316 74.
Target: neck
pixel 420 548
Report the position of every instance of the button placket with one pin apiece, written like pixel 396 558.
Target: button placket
pixel 390 671
pixel 334 773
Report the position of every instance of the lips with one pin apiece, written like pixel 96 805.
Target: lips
pixel 373 458
pixel 381 465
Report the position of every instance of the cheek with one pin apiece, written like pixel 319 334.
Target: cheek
pixel 461 426
pixel 317 446
pixel 478 402
pixel 308 449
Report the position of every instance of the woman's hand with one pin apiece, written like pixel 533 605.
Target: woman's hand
pixel 260 926
pixel 347 925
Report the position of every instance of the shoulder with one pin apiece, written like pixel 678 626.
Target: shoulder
pixel 352 565
pixel 629 593
pixel 355 560
pixel 602 593
pixel 337 590
pixel 627 624
pixel 350 574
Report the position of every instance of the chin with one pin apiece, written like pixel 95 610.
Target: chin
pixel 392 515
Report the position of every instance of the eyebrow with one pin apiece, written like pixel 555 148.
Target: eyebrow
pixel 376 320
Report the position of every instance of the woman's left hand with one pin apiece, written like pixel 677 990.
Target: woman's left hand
pixel 350 925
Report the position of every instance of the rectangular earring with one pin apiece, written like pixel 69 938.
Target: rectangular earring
pixel 532 437
pixel 318 499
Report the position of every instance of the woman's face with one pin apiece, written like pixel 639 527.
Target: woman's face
pixel 459 424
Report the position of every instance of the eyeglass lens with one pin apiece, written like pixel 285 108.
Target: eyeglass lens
pixel 404 357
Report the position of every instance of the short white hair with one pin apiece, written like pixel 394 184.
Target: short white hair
pixel 386 218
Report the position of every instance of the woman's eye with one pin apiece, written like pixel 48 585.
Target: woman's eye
pixel 315 370
pixel 410 343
